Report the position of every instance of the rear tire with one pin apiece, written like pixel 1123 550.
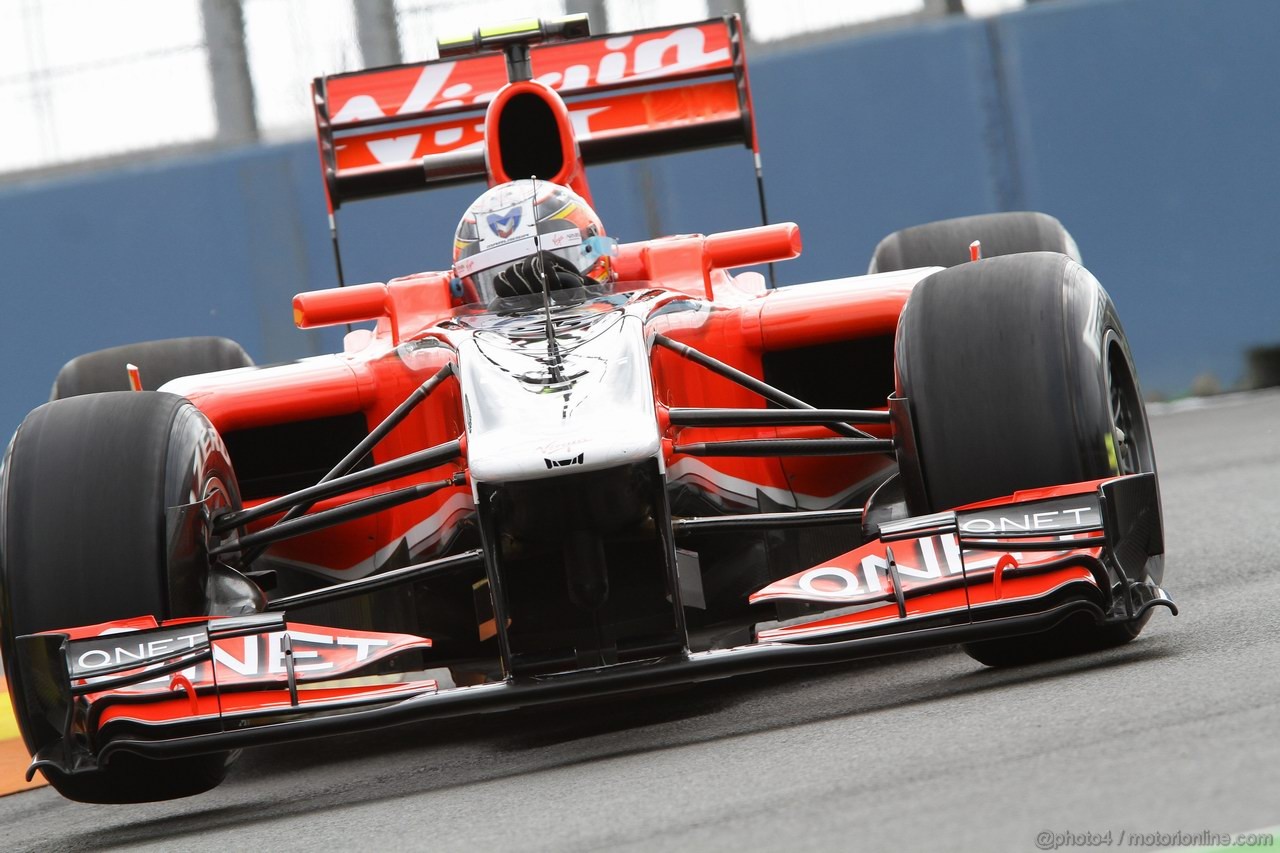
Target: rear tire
pixel 157 363
pixel 1018 375
pixel 85 539
pixel 946 243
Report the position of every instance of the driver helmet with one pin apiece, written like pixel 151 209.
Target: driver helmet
pixel 496 246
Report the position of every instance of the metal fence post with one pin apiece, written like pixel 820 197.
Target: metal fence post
pixel 376 32
pixel 229 75
pixel 597 10
pixel 943 7
pixel 733 7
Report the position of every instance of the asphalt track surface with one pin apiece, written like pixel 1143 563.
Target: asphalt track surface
pixel 1176 732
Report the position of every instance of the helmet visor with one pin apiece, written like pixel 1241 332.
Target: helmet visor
pixel 586 256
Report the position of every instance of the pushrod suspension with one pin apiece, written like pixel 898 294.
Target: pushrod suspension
pixel 361 450
pixel 749 382
pixel 382 580
pixel 331 517
pixel 412 463
pixel 775 417
pixel 765 521
pixel 230 521
pixel 787 447
pixel 390 422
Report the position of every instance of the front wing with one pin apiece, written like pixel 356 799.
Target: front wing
pixel 1013 566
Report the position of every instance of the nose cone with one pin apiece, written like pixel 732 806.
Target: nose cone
pixel 534 411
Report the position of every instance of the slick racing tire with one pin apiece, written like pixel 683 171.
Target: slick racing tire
pixel 1018 375
pixel 84 539
pixel 946 243
pixel 157 363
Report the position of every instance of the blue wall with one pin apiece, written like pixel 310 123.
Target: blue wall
pixel 1149 127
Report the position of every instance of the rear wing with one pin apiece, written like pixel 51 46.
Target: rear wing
pixel 402 128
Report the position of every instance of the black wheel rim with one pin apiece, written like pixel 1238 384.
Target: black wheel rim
pixel 1130 438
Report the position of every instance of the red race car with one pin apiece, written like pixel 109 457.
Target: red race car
pixel 567 467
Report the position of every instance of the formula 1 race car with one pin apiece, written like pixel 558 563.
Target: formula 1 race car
pixel 567 467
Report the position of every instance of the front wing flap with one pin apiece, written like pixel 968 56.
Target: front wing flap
pixel 85 685
pixel 1100 539
pixel 1001 568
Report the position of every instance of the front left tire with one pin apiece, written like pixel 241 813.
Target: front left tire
pixel 1018 375
pixel 945 243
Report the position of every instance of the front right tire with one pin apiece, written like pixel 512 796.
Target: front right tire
pixel 85 538
pixel 157 363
